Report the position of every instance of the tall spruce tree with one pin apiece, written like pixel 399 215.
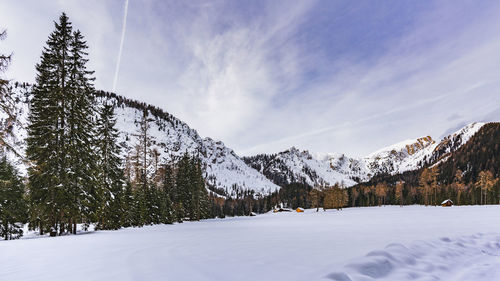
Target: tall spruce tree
pixel 13 207
pixel 111 191
pixel 129 211
pixel 167 190
pixel 183 189
pixel 80 147
pixel 61 135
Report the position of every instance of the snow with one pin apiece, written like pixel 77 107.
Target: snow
pixel 404 156
pixel 470 257
pixel 377 243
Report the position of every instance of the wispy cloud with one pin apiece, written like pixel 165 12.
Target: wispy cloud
pixel 120 49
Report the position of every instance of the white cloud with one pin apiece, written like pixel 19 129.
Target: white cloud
pixel 244 77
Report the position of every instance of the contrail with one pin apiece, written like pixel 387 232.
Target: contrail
pixel 124 28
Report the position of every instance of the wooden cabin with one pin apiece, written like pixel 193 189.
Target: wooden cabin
pixel 300 210
pixel 447 203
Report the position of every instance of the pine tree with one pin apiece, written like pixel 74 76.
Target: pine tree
pixel 140 209
pixel 111 189
pixel 81 126
pixel 167 189
pixel 60 135
pixel 183 188
pixel 13 206
pixel 128 217
pixel 194 190
pixel 200 203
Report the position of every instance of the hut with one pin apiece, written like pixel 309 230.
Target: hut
pixel 447 203
pixel 300 210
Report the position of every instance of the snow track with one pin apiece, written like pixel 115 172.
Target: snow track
pixel 473 257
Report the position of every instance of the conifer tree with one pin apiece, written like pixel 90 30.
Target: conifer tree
pixel 167 189
pixel 128 217
pixel 111 189
pixel 183 189
pixel 200 203
pixel 140 209
pixel 13 207
pixel 60 135
pixel 81 125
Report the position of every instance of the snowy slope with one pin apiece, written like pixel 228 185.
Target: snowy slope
pixel 172 138
pixel 298 166
pixel 359 242
pixel 317 169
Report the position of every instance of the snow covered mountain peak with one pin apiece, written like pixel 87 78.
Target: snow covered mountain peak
pixel 330 168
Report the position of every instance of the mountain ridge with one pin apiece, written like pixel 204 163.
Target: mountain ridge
pixel 404 156
pixel 228 174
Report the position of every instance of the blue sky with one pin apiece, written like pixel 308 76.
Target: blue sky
pixel 262 76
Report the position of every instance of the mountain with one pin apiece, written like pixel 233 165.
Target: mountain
pixel 318 169
pixel 226 173
pixel 297 166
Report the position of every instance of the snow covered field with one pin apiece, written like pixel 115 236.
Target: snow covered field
pixel 378 243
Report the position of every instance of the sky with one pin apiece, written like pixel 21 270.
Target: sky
pixel 263 76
